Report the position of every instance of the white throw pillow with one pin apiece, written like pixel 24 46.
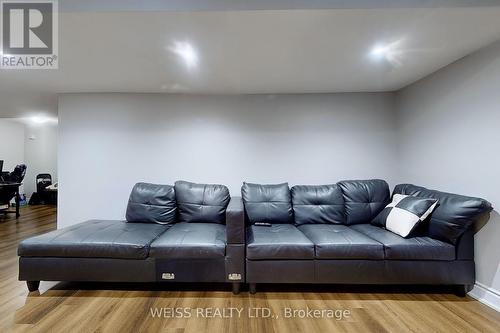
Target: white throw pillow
pixel 404 213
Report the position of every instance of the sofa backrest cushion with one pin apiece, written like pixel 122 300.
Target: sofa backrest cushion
pixel 152 203
pixel 267 203
pixel 318 204
pixel 201 202
pixel 364 199
pixel 453 215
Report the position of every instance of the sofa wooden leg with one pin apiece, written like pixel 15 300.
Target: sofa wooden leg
pixel 33 285
pixel 236 288
pixel 253 288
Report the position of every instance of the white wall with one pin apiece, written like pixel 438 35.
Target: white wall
pixel 108 142
pixel 32 144
pixel 40 153
pixel 11 143
pixel 449 139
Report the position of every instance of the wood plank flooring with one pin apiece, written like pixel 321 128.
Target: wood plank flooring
pixel 71 307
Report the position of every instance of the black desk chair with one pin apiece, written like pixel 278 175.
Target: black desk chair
pixel 42 195
pixel 16 176
pixel 42 181
pixel 7 193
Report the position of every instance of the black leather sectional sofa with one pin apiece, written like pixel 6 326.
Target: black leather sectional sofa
pixel 273 234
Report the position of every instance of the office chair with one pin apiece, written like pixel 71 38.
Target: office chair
pixel 42 196
pixel 7 193
pixel 42 181
pixel 16 176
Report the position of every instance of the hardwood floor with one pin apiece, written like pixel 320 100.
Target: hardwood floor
pixel 71 307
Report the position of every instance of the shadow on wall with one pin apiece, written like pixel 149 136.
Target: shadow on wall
pixel 483 220
pixel 486 250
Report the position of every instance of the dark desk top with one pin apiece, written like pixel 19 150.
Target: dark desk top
pixel 6 184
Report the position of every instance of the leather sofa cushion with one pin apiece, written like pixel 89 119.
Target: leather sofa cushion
pixel 191 240
pixel 152 203
pixel 416 248
pixel 364 199
pixel 318 204
pixel 279 241
pixel 201 202
pixel 267 203
pixel 95 239
pixel 341 242
pixel 453 215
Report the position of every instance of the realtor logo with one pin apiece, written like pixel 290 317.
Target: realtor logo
pixel 29 34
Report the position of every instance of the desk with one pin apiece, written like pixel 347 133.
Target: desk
pixel 15 187
pixel 51 192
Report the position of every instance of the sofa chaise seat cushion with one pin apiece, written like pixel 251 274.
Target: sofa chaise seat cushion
pixel 341 242
pixel 415 248
pixel 95 239
pixel 191 240
pixel 278 241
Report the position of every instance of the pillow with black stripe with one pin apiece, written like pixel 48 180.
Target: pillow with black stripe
pixel 404 213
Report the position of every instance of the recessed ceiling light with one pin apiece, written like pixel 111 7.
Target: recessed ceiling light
pixel 390 52
pixel 40 120
pixel 186 52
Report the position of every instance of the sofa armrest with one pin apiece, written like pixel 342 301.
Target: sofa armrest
pixel 465 245
pixel 235 221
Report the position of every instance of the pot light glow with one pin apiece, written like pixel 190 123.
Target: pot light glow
pixel 390 52
pixel 186 52
pixel 40 120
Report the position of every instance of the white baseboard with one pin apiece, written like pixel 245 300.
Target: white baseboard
pixel 486 295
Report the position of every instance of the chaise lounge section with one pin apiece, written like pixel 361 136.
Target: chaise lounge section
pixel 183 233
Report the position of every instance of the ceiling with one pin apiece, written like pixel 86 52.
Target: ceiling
pixel 232 5
pixel 247 51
